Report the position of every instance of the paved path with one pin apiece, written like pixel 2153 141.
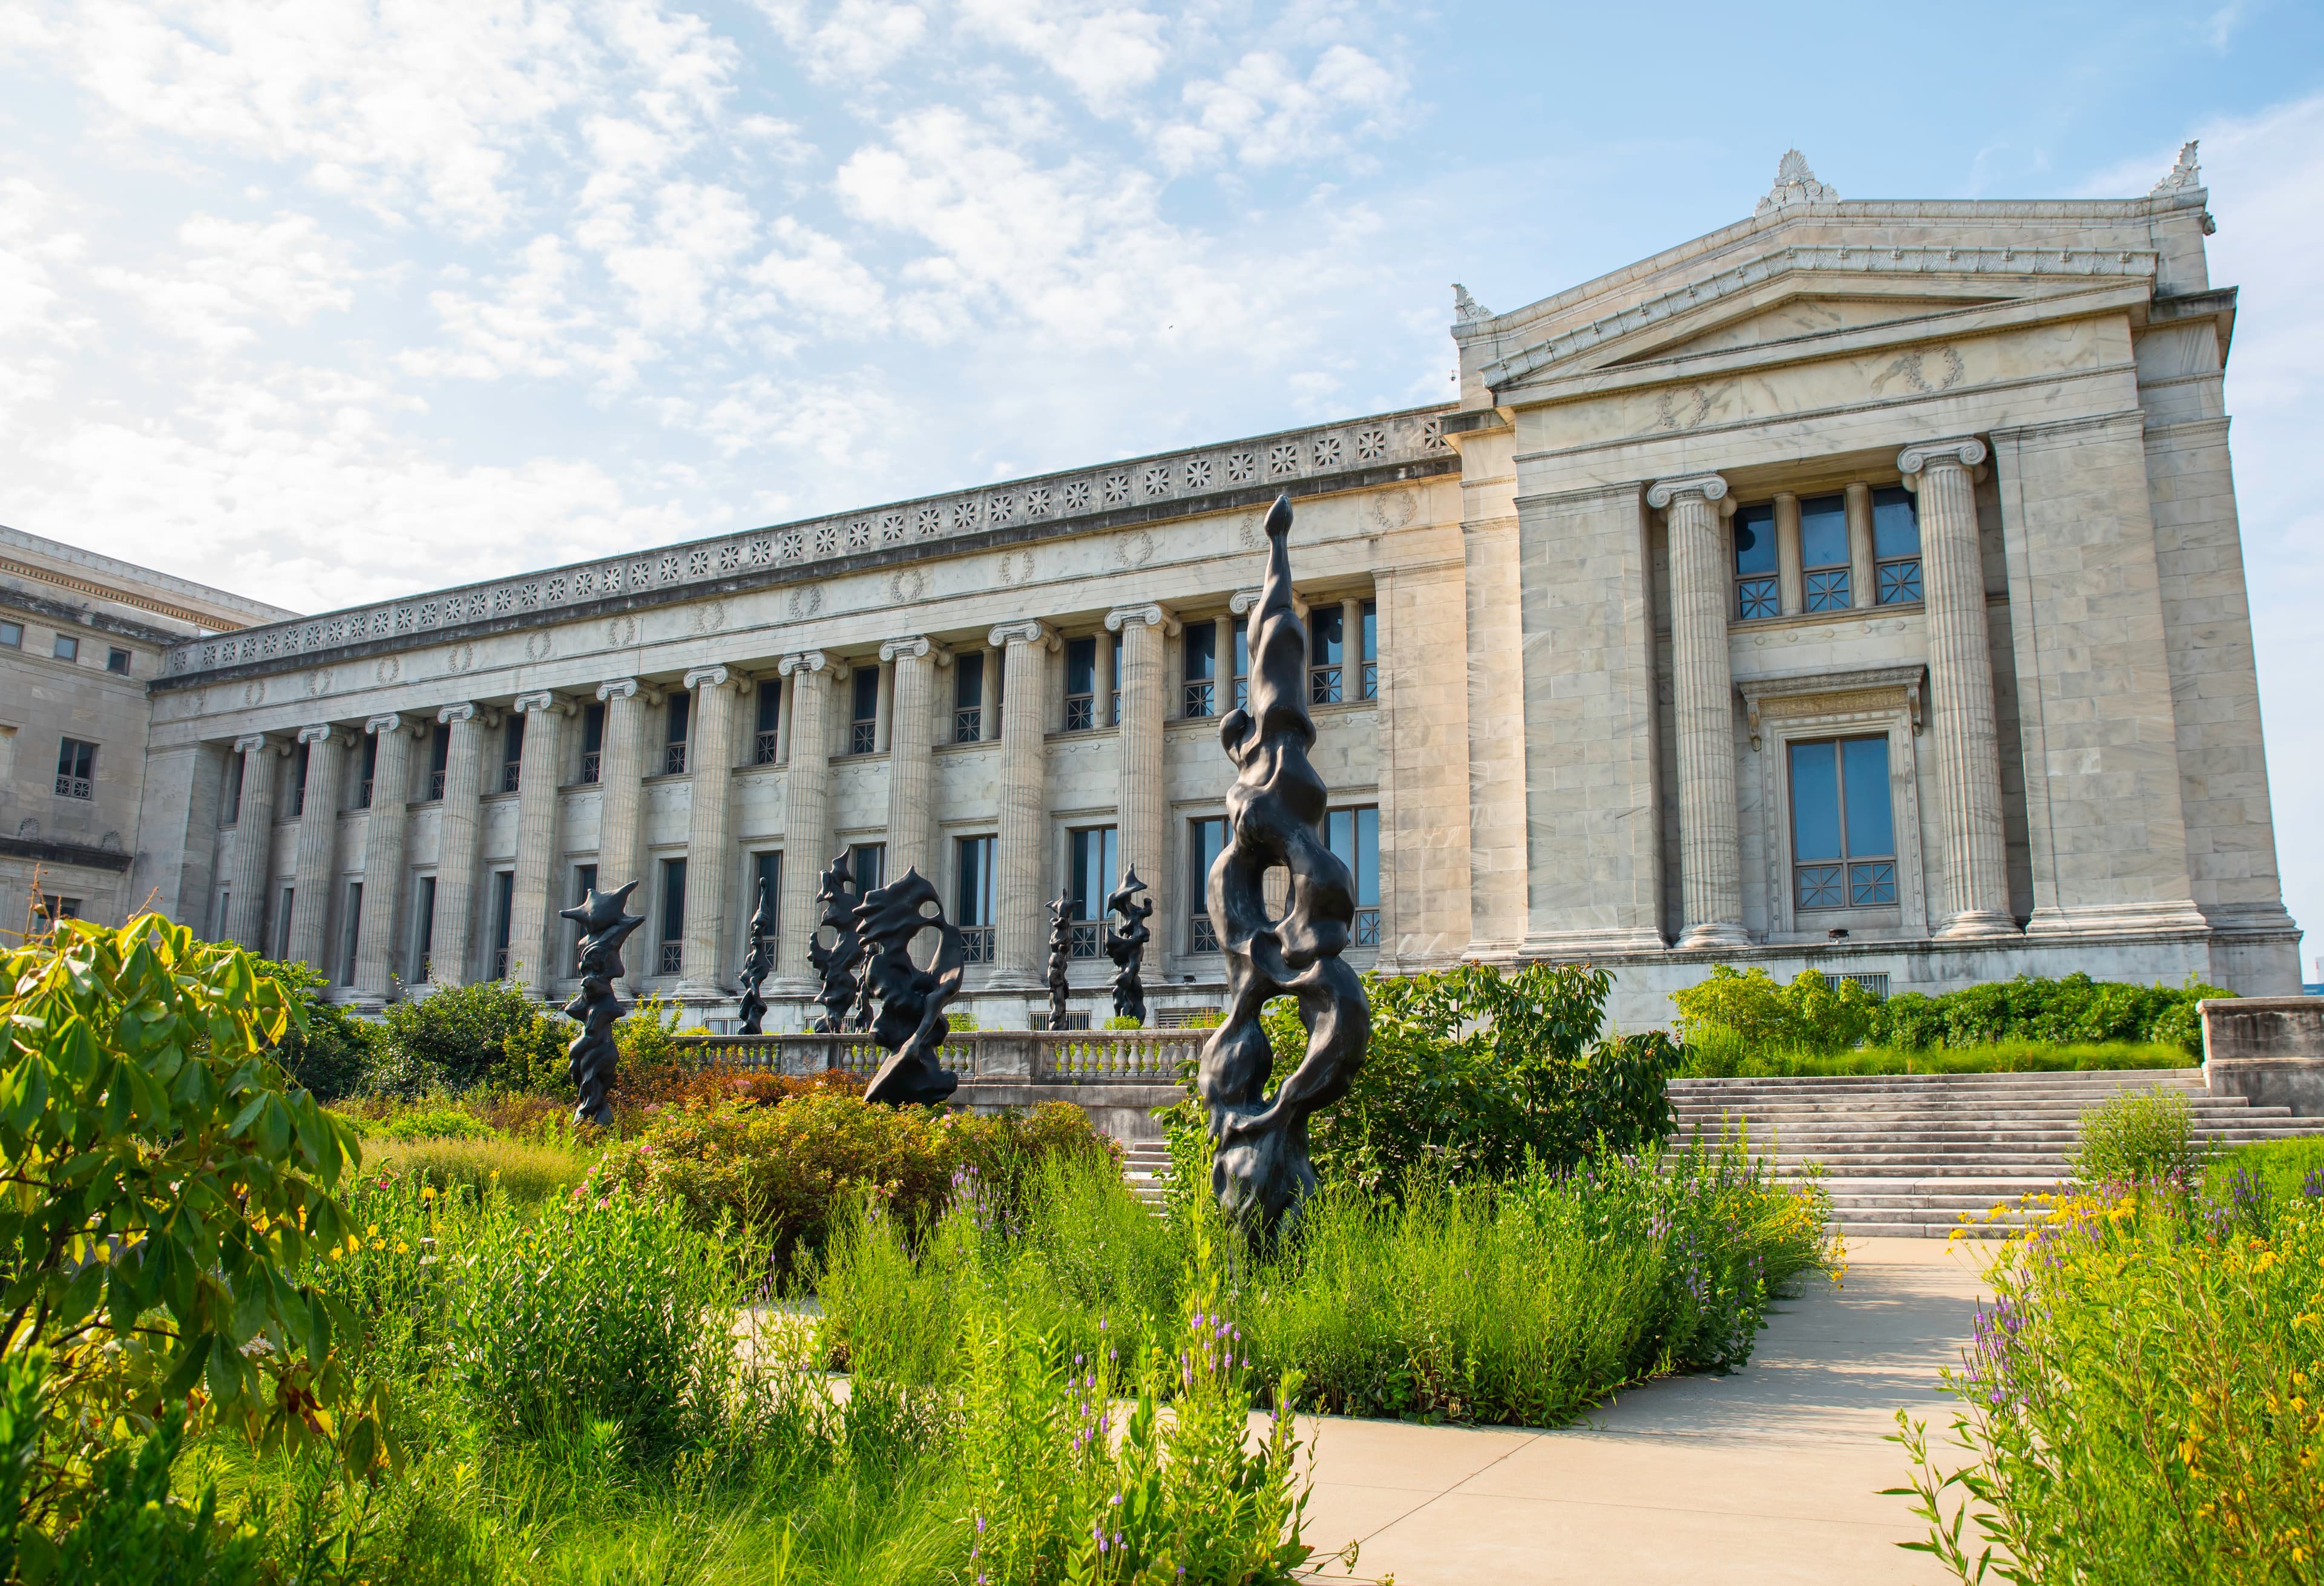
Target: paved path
pixel 1769 1475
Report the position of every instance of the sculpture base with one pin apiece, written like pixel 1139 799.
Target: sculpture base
pixel 910 1080
pixel 1259 1172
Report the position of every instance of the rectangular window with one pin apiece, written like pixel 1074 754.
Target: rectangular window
pixel 767 880
pixel 1895 547
pixel 12 635
pixel 673 917
pixel 423 930
pixel 1202 670
pixel 1326 650
pixel 370 767
pixel 864 717
pixel 117 660
pixel 1095 855
pixel 680 707
pixel 770 725
pixel 439 751
pixel 1372 649
pixel 869 862
pixel 1081 685
pixel 1355 835
pixel 1843 838
pixel 504 904
pixel 53 909
pixel 1823 552
pixel 1242 667
pixel 282 925
pixel 76 768
pixel 299 760
pixel 593 741
pixel 972 895
pixel 512 751
pixel 968 697
pixel 1755 562
pixel 67 647
pixel 351 933
pixel 1113 705
pixel 1206 839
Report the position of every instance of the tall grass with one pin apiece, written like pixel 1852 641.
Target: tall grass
pixel 1714 1051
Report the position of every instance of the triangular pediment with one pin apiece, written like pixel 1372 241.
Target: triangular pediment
pixel 1798 317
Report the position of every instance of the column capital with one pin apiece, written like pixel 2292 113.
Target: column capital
pixel 467 711
pixel 628 688
pixel 1966 450
pixel 1242 600
pixel 320 733
pixel 1032 631
pixel 1711 487
pixel 920 647
pixel 257 741
pixel 804 660
pixel 389 726
pixel 1153 613
pixel 544 700
pixel 719 677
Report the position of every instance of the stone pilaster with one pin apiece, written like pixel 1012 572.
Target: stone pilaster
pixel 621 770
pixel 913 714
pixel 1143 804
pixel 1961 689
pixel 1022 937
pixel 1861 577
pixel 709 833
pixel 456 841
pixel 531 904
pixel 318 830
pixel 1791 567
pixel 1702 707
pixel 253 842
pixel 807 816
pixel 988 698
pixel 385 832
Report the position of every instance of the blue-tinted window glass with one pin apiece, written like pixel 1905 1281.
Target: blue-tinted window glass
pixel 866 699
pixel 1824 532
pixel 680 709
pixel 673 900
pixel 975 902
pixel 592 729
pixel 1896 524
pixel 1863 767
pixel 1210 842
pixel 1371 631
pixel 1094 871
pixel 1353 835
pixel 770 704
pixel 1202 652
pixel 968 680
pixel 1755 541
pixel 1081 666
pixel 869 862
pixel 1325 630
pixel 1815 801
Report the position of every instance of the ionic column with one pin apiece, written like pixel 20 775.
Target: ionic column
pixel 318 830
pixel 912 665
pixel 539 763
pixel 620 767
pixel 384 835
pixel 988 698
pixel 1143 803
pixel 1860 590
pixel 1961 688
pixel 709 830
pixel 1022 944
pixel 253 842
pixel 807 816
pixel 1710 882
pixel 456 841
pixel 1351 650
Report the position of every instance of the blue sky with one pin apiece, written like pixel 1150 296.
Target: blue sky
pixel 321 302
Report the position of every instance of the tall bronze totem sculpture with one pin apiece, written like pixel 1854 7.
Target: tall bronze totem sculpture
pixel 835 966
pixel 1061 949
pixel 911 1026
pixel 1259 1170
pixel 1127 947
pixel 591 1057
pixel 758 959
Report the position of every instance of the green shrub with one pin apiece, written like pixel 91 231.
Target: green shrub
pixel 1809 1014
pixel 1713 1052
pixel 333 1052
pixel 2140 1404
pixel 439 1122
pixel 2139 1140
pixel 2289 1169
pixel 528 1170
pixel 2073 1009
pixel 459 1037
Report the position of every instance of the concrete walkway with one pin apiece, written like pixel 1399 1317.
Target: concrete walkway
pixel 1769 1475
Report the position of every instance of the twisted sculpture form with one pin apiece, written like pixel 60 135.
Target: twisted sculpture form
pixel 912 1026
pixel 836 963
pixel 758 959
pixel 590 1058
pixel 1061 952
pixel 1127 947
pixel 1259 1168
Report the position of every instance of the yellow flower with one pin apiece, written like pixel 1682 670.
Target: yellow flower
pixel 428 1192
pixel 402 1248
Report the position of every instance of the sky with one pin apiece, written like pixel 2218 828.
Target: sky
pixel 323 302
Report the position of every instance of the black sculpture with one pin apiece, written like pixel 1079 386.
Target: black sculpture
pixel 1127 947
pixel 758 960
pixel 1061 952
pixel 911 1026
pixel 836 963
pixel 1258 1168
pixel 591 1057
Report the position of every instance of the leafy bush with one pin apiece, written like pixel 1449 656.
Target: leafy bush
pixel 2139 1140
pixel 459 1037
pixel 1472 1073
pixel 2287 1169
pixel 1717 1053
pixel 439 1122
pixel 1809 1014
pixel 528 1170
pixel 333 1051
pixel 2072 1010
pixel 2142 1402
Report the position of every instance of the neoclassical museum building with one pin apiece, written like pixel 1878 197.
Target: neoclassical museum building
pixel 1857 587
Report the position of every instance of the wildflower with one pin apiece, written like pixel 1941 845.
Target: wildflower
pixel 428 1192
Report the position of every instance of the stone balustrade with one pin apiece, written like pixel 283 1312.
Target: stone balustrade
pixel 1060 1057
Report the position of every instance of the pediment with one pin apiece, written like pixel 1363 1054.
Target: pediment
pixel 1798 317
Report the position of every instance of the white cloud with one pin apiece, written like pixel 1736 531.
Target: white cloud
pixel 840 421
pixel 531 328
pixel 856 39
pixel 233 273
pixel 1268 114
pixel 30 301
pixel 1104 52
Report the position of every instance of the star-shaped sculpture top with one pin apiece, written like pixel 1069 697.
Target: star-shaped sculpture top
pixel 603 928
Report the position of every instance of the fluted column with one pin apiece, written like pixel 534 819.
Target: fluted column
pixel 253 842
pixel 318 830
pixel 530 908
pixel 622 768
pixel 1143 803
pixel 1961 688
pixel 806 815
pixel 912 665
pixel 1861 589
pixel 456 841
pixel 709 830
pixel 1711 879
pixel 1790 575
pixel 384 834
pixel 1022 944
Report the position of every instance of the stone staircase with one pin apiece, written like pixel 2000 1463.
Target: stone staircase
pixel 1909 1154
pixel 1145 1164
